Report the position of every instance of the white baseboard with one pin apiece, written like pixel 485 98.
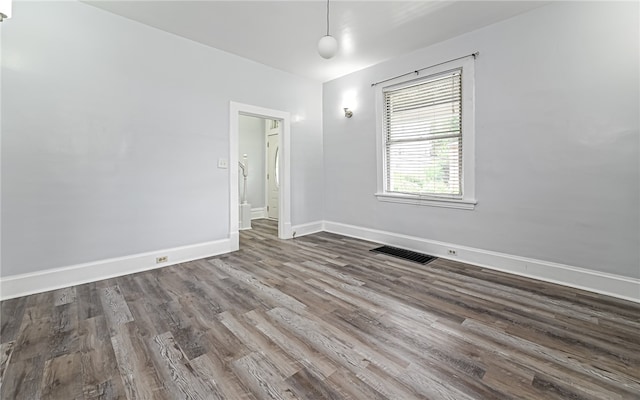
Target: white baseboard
pixel 287 231
pixel 233 245
pixel 259 213
pixel 599 282
pixel 57 278
pixel 307 229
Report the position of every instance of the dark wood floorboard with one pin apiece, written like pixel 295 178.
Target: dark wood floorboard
pixel 318 317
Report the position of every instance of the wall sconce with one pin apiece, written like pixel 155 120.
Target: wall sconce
pixel 349 102
pixel 5 9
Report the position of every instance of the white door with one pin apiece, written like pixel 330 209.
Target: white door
pixel 273 177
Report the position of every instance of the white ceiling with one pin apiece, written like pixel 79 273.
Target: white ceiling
pixel 284 34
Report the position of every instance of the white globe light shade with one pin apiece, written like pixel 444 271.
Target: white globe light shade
pixel 327 46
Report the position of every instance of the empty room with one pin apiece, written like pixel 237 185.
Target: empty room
pixel 320 200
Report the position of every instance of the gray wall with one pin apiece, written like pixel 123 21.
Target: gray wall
pixel 252 143
pixel 557 140
pixel 111 132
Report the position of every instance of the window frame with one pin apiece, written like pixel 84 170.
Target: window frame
pixel 468 200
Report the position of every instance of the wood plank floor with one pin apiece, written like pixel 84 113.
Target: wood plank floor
pixel 318 317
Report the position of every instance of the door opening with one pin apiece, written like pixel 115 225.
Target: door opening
pixel 280 174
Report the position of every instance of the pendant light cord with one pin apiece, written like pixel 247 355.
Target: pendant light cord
pixel 327 17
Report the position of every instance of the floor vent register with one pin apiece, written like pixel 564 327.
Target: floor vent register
pixel 404 254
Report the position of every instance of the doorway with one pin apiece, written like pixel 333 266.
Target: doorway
pixel 281 172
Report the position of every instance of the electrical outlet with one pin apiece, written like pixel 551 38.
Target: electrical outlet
pixel 452 252
pixel 163 259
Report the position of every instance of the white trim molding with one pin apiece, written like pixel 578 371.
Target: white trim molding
pixel 426 201
pixel 57 278
pixel 307 229
pixel 622 287
pixel 259 213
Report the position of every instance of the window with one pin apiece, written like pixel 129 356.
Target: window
pixel 427 139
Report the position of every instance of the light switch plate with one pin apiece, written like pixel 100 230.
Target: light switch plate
pixel 223 163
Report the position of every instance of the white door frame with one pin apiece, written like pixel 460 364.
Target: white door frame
pixel 284 220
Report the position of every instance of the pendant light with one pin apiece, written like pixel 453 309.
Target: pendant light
pixel 327 45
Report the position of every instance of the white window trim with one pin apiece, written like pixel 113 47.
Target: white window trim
pixel 468 199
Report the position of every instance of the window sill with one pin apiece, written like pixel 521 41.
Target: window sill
pixel 462 204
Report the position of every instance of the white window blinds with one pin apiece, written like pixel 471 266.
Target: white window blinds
pixel 423 136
